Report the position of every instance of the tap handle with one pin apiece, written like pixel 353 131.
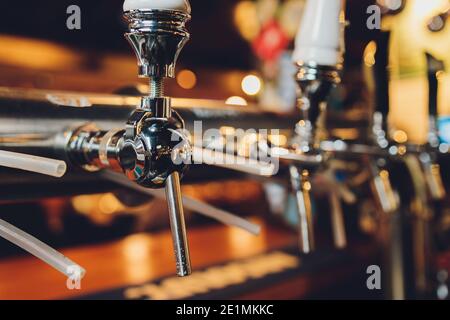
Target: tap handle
pixel 434 66
pixel 157 34
pixel 384 193
pixel 320 37
pixel 179 5
pixel 301 186
pixel 381 74
pixel 337 220
pixel 177 225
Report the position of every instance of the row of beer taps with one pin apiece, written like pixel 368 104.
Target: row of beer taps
pixel 318 55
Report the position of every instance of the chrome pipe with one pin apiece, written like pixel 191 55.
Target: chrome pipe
pixel 337 220
pixel 177 225
pixel 302 187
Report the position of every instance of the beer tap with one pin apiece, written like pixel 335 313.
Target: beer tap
pixel 386 195
pixel 376 152
pixel 152 149
pixel 428 158
pixel 157 33
pixel 318 57
pixel 381 181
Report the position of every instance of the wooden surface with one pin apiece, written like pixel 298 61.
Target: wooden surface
pixel 134 260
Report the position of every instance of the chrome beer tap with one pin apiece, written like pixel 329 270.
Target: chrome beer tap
pixel 391 222
pixel 315 82
pixel 428 158
pixel 157 33
pixel 385 194
pixel 318 57
pixel 152 149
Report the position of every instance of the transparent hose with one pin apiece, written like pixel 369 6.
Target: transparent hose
pixel 36 164
pixel 232 162
pixel 40 250
pixel 220 215
pixel 190 203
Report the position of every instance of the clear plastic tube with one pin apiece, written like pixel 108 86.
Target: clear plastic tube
pixel 191 204
pixel 232 162
pixel 55 168
pixel 221 215
pixel 40 250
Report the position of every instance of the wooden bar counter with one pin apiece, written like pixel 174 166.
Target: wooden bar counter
pixel 143 258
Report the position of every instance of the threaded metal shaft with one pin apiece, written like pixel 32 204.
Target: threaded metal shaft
pixel 156 88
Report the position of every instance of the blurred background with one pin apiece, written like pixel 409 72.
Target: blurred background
pixel 239 53
pixel 238 49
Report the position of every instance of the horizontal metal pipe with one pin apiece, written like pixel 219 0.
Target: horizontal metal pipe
pixel 43 112
pixel 34 122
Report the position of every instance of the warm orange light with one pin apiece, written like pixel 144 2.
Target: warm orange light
pixel 84 204
pixel 384 174
pixel 108 204
pixel 36 54
pixel 246 19
pixel 400 136
pixel 187 79
pixel 227 131
pixel 369 53
pixel 290 16
pixel 91 205
pixel 402 150
pixel 278 139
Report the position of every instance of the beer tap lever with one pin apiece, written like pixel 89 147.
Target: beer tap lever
pixel 429 159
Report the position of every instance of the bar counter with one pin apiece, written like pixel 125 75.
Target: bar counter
pixel 143 258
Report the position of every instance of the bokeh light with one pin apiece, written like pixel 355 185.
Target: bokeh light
pixel 251 85
pixel 186 79
pixel 236 101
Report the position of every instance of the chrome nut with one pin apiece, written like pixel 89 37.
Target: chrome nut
pixel 158 150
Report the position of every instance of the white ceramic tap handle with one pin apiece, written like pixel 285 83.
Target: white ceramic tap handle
pixel 319 39
pixel 181 5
